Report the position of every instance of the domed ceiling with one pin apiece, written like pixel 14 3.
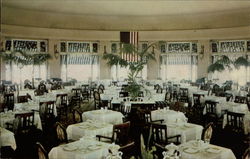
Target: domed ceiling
pixel 124 15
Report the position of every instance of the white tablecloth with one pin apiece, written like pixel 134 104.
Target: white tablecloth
pixel 190 150
pixel 31 105
pixel 168 115
pixel 224 105
pixel 89 128
pixel 187 131
pixel 7 138
pixel 107 116
pixel 81 149
pixel 9 117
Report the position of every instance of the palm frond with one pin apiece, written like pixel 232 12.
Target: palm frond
pixel 241 61
pixel 216 67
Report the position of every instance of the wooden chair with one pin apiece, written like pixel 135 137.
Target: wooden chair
pixel 46 111
pixel 160 139
pixel 77 116
pixel 85 92
pixel 23 123
pixel 246 154
pixel 145 116
pixel 9 101
pixel 159 90
pixel 42 153
pixel 183 95
pixel 248 102
pixel 75 102
pixel 168 97
pixel 240 99
pixel 159 134
pixel 121 137
pixel 235 122
pixel 211 115
pixel 61 134
pixel 42 87
pixel 97 100
pixel 197 99
pixel 100 90
pixel 76 91
pixel 62 107
pixel 157 86
pixel 22 99
pixel 28 86
pixel 207 132
pixel 101 86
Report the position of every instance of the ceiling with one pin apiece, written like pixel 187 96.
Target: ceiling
pixel 127 14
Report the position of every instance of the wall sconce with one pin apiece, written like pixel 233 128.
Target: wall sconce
pixel 56 52
pixel 201 53
pixel 105 51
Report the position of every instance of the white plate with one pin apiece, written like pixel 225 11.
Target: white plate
pixel 190 150
pixel 93 147
pixel 69 147
pixel 213 150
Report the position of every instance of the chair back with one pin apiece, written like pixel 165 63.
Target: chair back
pixel 240 99
pixel 101 86
pixel 159 90
pixel 63 99
pixel 25 121
pixel 46 109
pixel 9 100
pixel 197 99
pixel 61 133
pixel 235 121
pixel 76 91
pixel 42 153
pixel 75 101
pixel 42 87
pixel 77 116
pixel 207 132
pixel 121 133
pixel 22 99
pixel 248 102
pixel 157 86
pixel 210 107
pixel 168 96
pixel 159 133
pixel 100 90
pixel 183 92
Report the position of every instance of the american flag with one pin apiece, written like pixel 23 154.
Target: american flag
pixel 131 38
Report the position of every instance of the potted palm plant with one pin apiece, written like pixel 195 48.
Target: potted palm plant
pixel 135 67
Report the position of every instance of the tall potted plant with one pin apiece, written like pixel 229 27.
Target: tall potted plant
pixel 135 67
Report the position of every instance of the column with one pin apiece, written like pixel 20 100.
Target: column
pixel 154 66
pixel 105 70
pixel 54 67
pixel 204 60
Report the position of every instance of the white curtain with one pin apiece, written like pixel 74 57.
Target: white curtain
pixel 178 67
pixel 18 74
pixel 81 67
